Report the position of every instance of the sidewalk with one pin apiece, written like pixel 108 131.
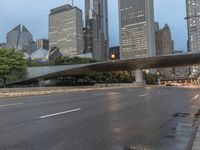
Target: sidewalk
pixel 196 144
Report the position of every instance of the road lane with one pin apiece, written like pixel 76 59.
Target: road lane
pixel 35 106
pixel 108 120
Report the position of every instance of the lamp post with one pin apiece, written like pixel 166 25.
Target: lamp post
pixel 113 56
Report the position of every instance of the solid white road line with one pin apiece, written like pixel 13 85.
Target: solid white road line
pixel 194 98
pixel 14 104
pixel 60 113
pixel 144 95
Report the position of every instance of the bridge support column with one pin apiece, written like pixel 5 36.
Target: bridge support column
pixel 41 83
pixel 139 80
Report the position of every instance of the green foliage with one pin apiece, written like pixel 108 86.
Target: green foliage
pixel 12 65
pixel 92 78
pixel 35 63
pixel 71 61
pixel 61 61
pixel 112 77
pixel 151 79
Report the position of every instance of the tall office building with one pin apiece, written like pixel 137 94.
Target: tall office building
pixel 193 22
pixel 42 44
pixel 96 22
pixel 164 42
pixel 157 26
pixel 164 46
pixel 65 30
pixel 20 39
pixel 137 31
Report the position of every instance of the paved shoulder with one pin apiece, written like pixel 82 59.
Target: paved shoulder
pixel 196 145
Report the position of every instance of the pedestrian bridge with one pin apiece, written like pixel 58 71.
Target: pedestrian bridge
pixel 50 72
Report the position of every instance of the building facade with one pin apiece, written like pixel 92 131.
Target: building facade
pixel 164 42
pixel 164 46
pixel 2 45
pixel 193 23
pixel 42 44
pixel 96 22
pixel 137 31
pixel 20 39
pixel 65 30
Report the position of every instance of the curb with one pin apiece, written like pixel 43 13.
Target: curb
pixel 196 144
pixel 53 91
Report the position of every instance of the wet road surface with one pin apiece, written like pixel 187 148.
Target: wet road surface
pixel 151 118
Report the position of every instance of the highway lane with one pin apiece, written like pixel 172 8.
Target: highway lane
pixel 109 119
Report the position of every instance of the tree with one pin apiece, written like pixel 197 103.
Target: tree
pixel 61 61
pixel 70 61
pixel 12 65
pixel 151 79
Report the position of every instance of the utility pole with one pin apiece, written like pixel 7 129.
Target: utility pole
pixel 72 2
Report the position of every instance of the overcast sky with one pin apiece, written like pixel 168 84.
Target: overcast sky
pixel 34 15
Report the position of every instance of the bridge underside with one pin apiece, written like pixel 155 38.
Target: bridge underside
pixel 50 72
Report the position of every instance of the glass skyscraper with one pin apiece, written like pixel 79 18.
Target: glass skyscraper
pixel 20 39
pixel 96 36
pixel 193 22
pixel 137 33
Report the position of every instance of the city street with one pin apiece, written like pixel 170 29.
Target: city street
pixel 152 118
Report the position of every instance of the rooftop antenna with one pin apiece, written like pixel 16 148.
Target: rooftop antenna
pixel 72 2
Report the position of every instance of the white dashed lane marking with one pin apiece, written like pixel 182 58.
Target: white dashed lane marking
pixel 14 104
pixel 144 95
pixel 60 113
pixel 194 98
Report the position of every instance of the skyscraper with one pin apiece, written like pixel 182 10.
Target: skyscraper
pixel 65 30
pixel 164 42
pixel 42 44
pixel 20 39
pixel 193 23
pixel 96 22
pixel 137 33
pixel 164 46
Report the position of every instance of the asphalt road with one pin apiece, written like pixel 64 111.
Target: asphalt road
pixel 151 118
